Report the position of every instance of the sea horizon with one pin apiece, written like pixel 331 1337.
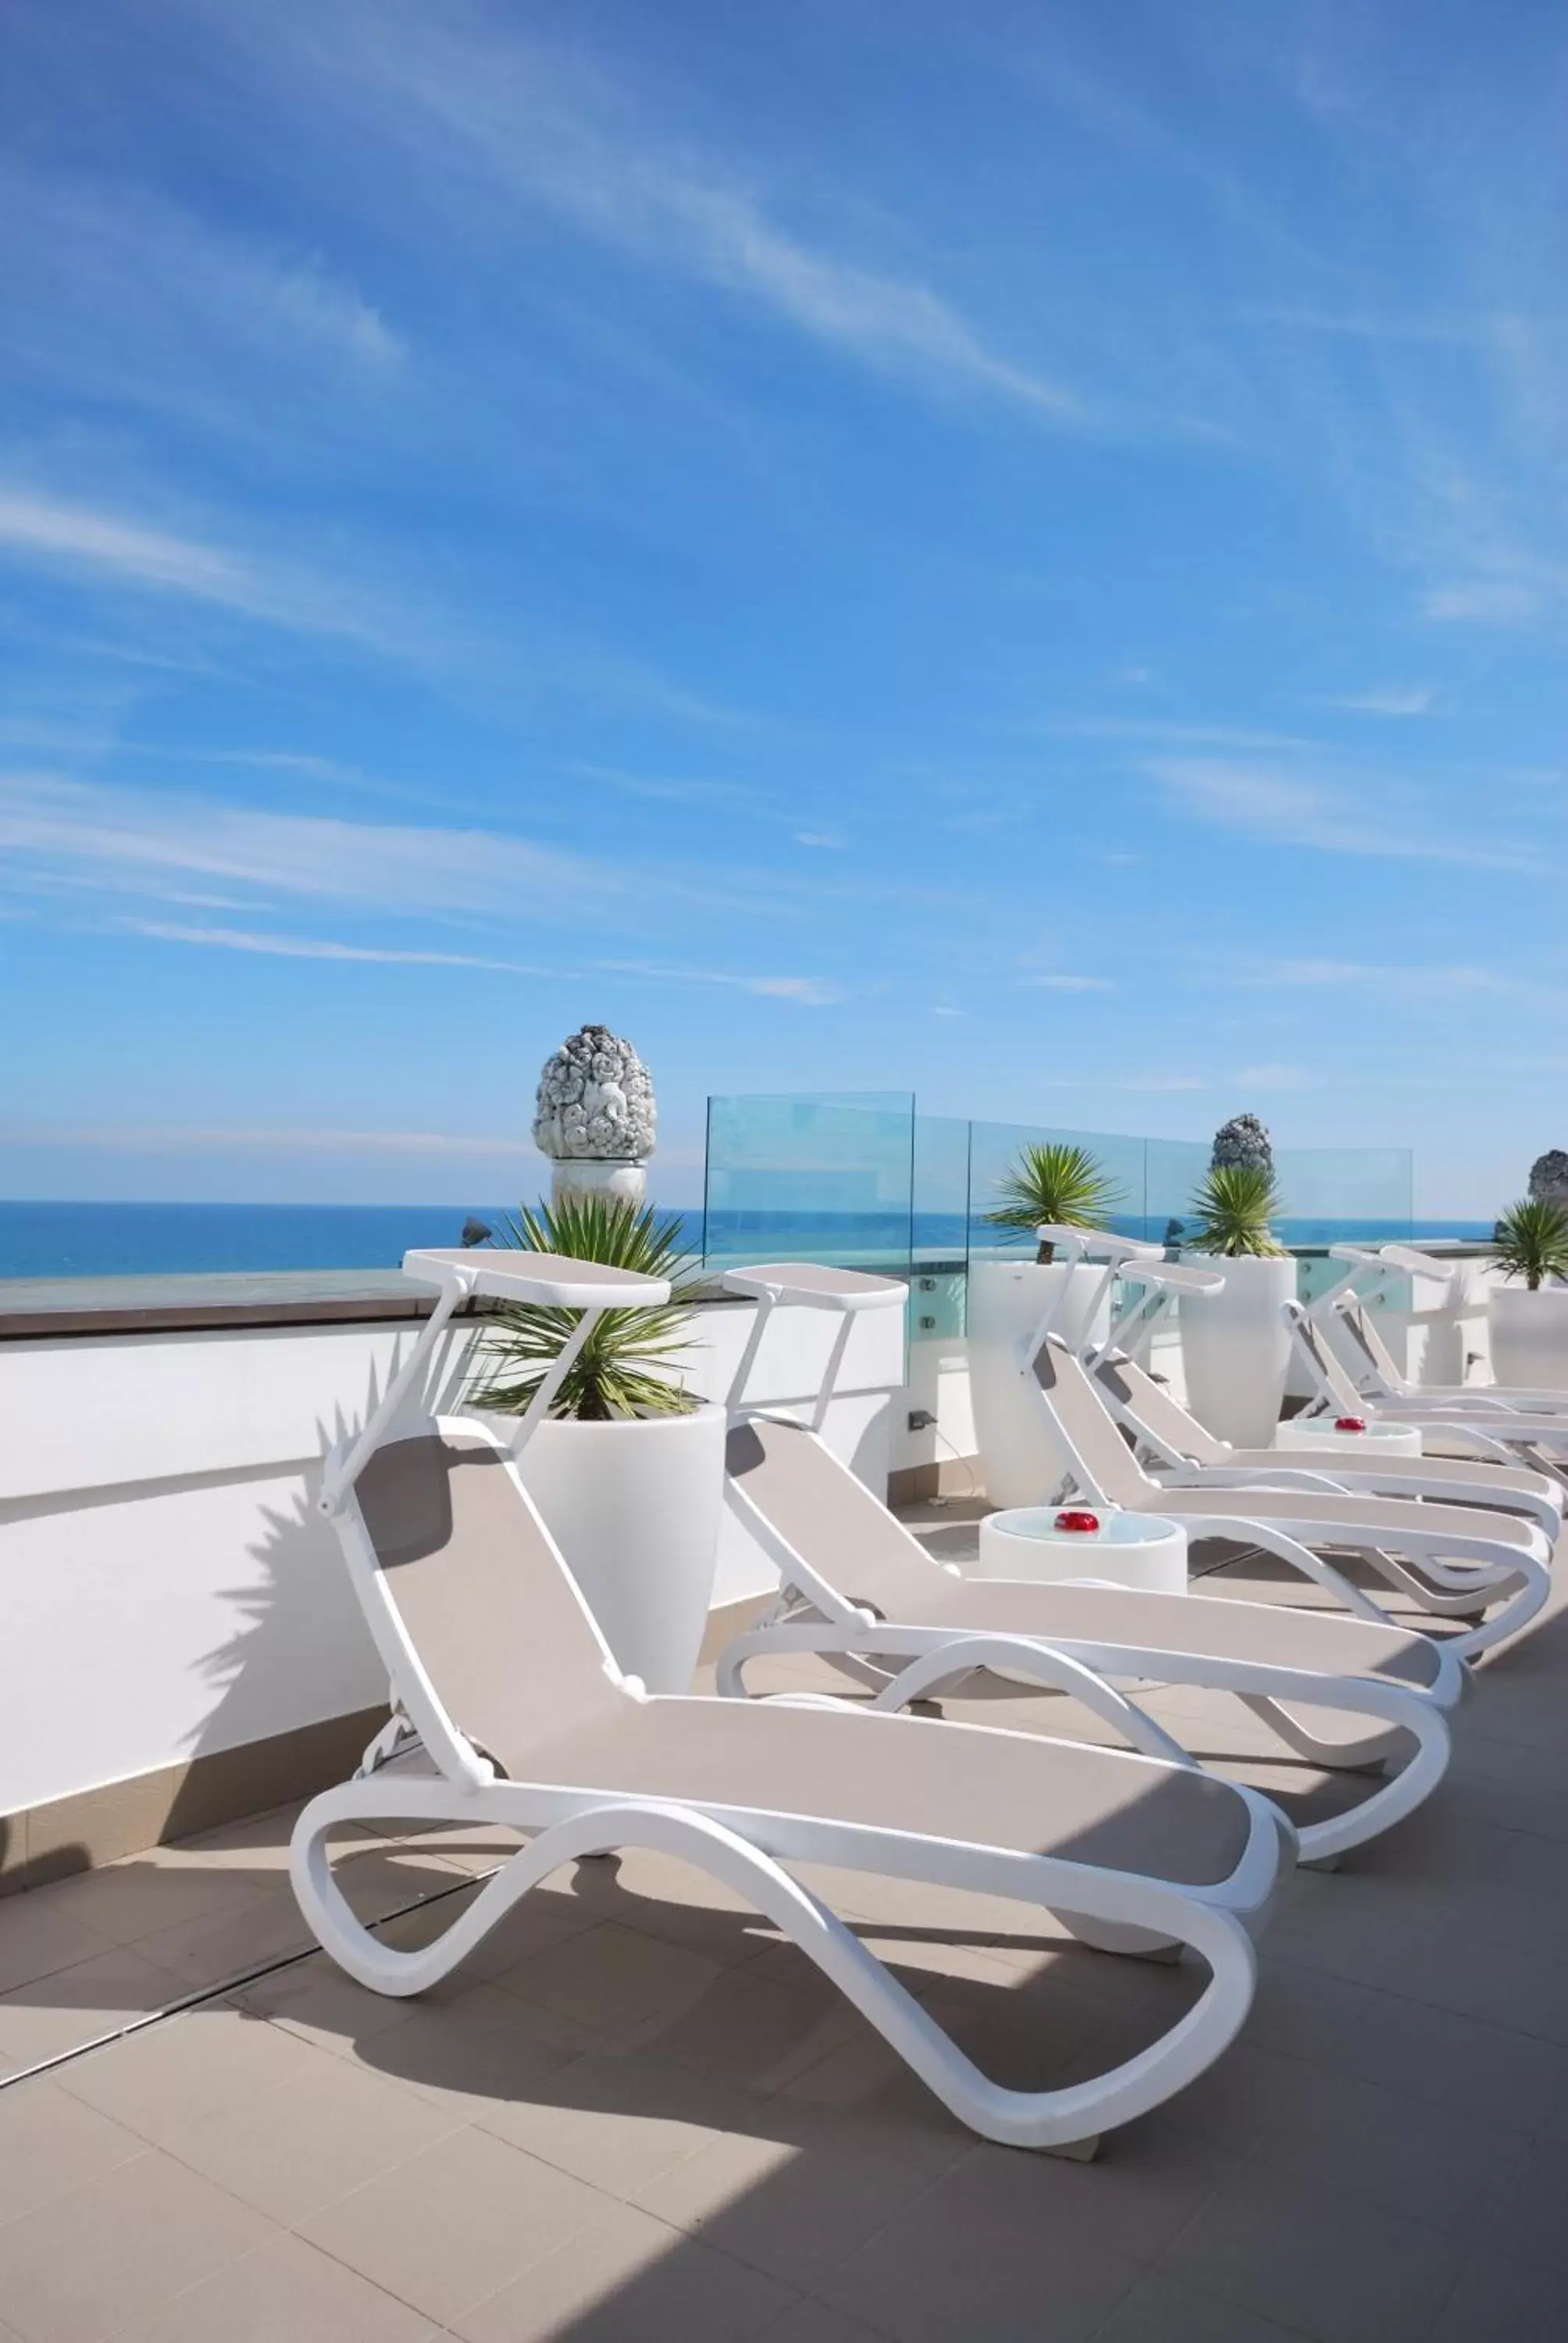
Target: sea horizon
pixel 45 1238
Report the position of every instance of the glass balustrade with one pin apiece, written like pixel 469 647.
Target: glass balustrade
pixel 868 1180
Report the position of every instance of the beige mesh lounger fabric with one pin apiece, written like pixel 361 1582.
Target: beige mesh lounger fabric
pixel 1191 1456
pixel 1452 1559
pixel 508 1707
pixel 859 1588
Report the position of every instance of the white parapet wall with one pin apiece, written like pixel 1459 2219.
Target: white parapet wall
pixel 167 1588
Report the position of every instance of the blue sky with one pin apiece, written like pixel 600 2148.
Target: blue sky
pixel 1017 552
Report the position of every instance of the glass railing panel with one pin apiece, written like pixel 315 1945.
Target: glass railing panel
pixel 1176 1168
pixel 939 1227
pixel 1335 1195
pixel 825 1178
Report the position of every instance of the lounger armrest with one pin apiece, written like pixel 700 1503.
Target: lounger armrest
pixel 507 1275
pixel 816 1286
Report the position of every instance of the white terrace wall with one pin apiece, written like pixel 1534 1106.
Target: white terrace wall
pixel 167 1588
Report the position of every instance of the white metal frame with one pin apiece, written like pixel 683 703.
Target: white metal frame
pixel 812 1614
pixel 445 1778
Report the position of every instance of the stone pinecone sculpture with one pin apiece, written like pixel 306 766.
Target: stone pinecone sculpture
pixel 1244 1141
pixel 1549 1176
pixel 594 1102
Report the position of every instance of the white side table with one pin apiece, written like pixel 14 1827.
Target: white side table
pixel 1372 1442
pixel 1137 1550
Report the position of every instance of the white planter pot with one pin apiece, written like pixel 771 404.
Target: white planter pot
pixel 1006 1300
pixel 635 1509
pixel 1236 1348
pixel 1529 1336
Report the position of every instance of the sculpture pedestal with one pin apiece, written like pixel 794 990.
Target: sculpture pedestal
pixel 583 1175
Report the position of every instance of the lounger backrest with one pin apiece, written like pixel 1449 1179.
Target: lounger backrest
pixel 1380 1361
pixel 1151 1410
pixel 841 1532
pixel 483 1596
pixel 1328 1368
pixel 1084 1430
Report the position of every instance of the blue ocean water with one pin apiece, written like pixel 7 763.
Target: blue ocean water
pixel 111 1240
pixel 119 1240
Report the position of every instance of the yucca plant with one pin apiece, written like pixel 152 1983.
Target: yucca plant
pixel 1054 1182
pixel 1231 1208
pixel 1532 1241
pixel 618 1372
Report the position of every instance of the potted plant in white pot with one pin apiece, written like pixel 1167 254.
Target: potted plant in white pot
pixel 1236 1344
pixel 628 1468
pixel 1528 1322
pixel 1054 1183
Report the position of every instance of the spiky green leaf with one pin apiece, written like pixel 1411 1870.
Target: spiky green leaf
pixel 1054 1182
pixel 1231 1208
pixel 1532 1241
pixel 630 1364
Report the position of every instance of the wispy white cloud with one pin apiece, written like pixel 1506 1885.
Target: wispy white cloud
pixel 1160 1081
pixel 1367 814
pixel 1158 730
pixel 1274 1075
pixel 281 946
pixel 1394 699
pixel 142 844
pixel 1480 330
pixel 175 1139
pixel 674 789
pixel 109 550
pixel 111 547
pixel 1060 982
pixel 1155 1082
pixel 128 837
pixel 807 990
pixel 114 290
pixel 1483 602
pixel 469 103
pixel 1441 985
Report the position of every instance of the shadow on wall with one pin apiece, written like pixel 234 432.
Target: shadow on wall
pixel 298 1685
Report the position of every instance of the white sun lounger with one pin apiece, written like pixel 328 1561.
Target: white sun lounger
pixel 508 1708
pixel 1411 1543
pixel 1191 1457
pixel 859 1588
pixel 1188 1456
pixel 1501 1434
pixel 1371 1363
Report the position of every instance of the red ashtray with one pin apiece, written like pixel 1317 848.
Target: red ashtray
pixel 1349 1423
pixel 1075 1520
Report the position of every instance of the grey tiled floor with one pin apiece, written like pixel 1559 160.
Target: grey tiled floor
pixel 637 2114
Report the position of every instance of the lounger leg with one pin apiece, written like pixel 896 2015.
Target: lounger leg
pixel 807 1633
pixel 1042 1663
pixel 1323 1843
pixel 1526 1584
pixel 1527 1600
pixel 1064 2119
pixel 1334 1756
